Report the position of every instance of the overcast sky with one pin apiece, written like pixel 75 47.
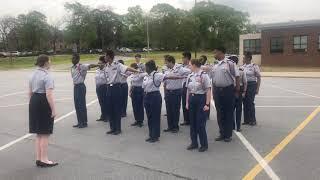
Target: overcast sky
pixel 261 11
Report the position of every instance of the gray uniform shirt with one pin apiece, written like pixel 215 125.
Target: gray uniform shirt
pixel 177 70
pixel 243 77
pixel 185 79
pixel 41 81
pixel 114 71
pixel 101 77
pixel 141 67
pixel 79 73
pixel 198 83
pixel 152 81
pixel 224 73
pixel 136 79
pixel 124 77
pixel 252 72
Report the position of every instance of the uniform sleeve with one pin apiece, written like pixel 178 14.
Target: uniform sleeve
pixel 244 78
pixel 142 75
pixel 206 81
pixel 84 67
pixel 49 82
pixel 159 77
pixel 122 68
pixel 257 71
pixel 185 71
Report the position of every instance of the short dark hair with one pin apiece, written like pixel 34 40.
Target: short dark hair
pixel 196 62
pixel 203 59
pixel 134 65
pixel 187 54
pixel 248 54
pixel 42 60
pixel 121 61
pixel 102 58
pixel 110 53
pixel 137 55
pixel 221 49
pixel 170 59
pixel 235 59
pixel 151 64
pixel 76 56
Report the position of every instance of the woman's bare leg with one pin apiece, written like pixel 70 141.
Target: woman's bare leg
pixel 44 142
pixel 38 152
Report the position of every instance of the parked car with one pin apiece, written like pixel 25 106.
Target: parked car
pixel 146 49
pixel 15 53
pixel 3 54
pixel 125 50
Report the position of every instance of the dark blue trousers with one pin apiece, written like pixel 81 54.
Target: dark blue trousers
pixel 114 106
pixel 248 103
pixel 238 109
pixel 124 98
pixel 153 104
pixel 79 93
pixel 198 119
pixel 173 105
pixel 184 100
pixel 137 103
pixel 102 97
pixel 224 100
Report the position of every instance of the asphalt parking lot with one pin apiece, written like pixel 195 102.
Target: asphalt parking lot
pixel 282 105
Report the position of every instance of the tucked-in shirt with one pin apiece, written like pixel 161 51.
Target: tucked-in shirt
pixel 177 70
pixel 252 72
pixel 152 81
pixel 114 71
pixel 101 77
pixel 224 73
pixel 198 83
pixel 136 79
pixel 79 73
pixel 243 77
pixel 124 77
pixel 141 67
pixel 185 79
pixel 40 81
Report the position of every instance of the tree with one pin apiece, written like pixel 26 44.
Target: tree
pixel 7 25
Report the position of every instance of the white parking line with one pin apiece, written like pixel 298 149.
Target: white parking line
pixel 11 94
pixel 254 153
pixel 289 90
pixel 28 135
pixel 312 106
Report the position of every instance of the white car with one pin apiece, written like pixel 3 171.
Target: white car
pixel 125 50
pixel 146 49
pixel 15 53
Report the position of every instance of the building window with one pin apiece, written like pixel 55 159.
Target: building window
pixel 276 45
pixel 252 45
pixel 300 43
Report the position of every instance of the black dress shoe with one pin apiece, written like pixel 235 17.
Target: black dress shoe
pixel 167 130
pixel 185 124
pixel 149 139
pixel 227 139
pixel 203 149
pixel 153 140
pixel 45 165
pixel 175 130
pixel 100 119
pixel 239 130
pixel 76 126
pixel 110 132
pixel 135 124
pixel 192 147
pixel 116 133
pixel 38 163
pixel 83 126
pixel 245 123
pixel 253 124
pixel 220 138
pixel 140 125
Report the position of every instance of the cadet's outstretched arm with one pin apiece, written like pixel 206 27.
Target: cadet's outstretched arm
pixel 258 84
pixel 187 100
pixel 132 70
pixel 93 66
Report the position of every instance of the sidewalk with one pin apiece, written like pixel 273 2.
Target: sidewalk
pixel 292 74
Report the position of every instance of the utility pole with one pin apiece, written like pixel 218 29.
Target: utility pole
pixel 195 43
pixel 148 38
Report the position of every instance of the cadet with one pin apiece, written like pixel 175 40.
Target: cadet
pixel 239 98
pixel 124 90
pixel 224 80
pixel 42 111
pixel 79 73
pixel 254 80
pixel 173 93
pixel 186 64
pixel 153 100
pixel 203 61
pixel 164 71
pixel 141 66
pixel 114 70
pixel 198 103
pixel 101 88
pixel 136 94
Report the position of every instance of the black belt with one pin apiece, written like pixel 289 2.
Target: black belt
pixel 223 88
pixel 193 94
pixel 114 85
pixel 174 90
pixel 153 92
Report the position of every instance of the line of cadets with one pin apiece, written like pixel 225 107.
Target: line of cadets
pixel 191 83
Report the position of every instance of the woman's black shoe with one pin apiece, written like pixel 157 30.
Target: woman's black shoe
pixel 192 147
pixel 110 132
pixel 76 126
pixel 45 165
pixel 135 124
pixel 38 163
pixel 203 149
pixel 153 140
pixel 148 140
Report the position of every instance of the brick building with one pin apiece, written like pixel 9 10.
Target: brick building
pixel 284 44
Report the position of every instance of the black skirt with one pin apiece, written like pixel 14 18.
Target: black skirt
pixel 40 121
